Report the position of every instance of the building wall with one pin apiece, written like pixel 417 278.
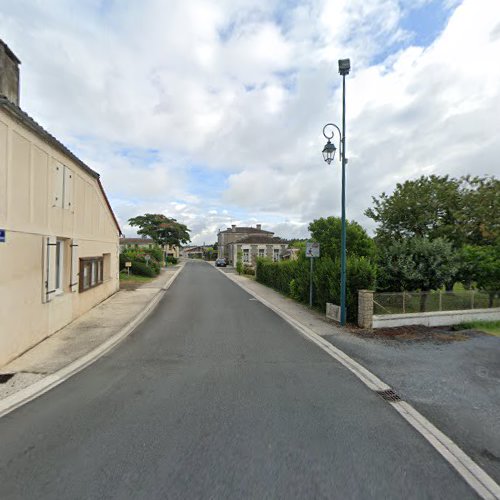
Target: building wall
pixel 33 208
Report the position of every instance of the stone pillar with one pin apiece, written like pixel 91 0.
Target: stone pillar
pixel 365 308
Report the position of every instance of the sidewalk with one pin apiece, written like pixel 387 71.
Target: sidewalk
pixel 453 383
pixel 103 326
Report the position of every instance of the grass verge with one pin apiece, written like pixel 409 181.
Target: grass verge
pixel 491 327
pixel 133 278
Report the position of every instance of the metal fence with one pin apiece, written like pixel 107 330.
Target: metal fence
pixel 415 302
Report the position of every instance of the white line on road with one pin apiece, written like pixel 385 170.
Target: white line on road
pixel 473 474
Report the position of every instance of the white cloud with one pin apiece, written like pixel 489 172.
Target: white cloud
pixel 243 88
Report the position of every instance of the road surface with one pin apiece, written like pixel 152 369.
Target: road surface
pixel 215 396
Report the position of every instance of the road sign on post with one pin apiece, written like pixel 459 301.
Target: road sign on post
pixel 312 252
pixel 2 235
pixel 312 249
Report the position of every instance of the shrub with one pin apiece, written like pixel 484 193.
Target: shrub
pixel 248 270
pixel 172 259
pixel 142 269
pixel 292 278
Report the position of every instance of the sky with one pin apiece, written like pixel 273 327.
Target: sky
pixel 211 111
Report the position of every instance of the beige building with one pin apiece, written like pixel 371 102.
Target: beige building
pixel 169 250
pixel 59 239
pixel 252 242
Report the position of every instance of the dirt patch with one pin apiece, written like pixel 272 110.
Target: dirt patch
pixel 129 286
pixel 418 333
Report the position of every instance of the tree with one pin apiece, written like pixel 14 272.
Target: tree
pixel 481 264
pixel 479 219
pixel 161 229
pixel 416 264
pixel 327 232
pixel 464 210
pixel 425 207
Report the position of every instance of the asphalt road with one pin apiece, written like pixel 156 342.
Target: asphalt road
pixel 214 396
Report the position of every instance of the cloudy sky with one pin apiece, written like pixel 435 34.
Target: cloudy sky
pixel 211 111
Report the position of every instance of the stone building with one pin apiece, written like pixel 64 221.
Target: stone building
pixel 252 242
pixel 59 238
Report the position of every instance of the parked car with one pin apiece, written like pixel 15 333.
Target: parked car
pixel 220 263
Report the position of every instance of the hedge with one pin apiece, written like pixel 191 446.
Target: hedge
pixel 291 277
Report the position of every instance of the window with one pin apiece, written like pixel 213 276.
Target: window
pixel 59 267
pixel 276 254
pixel 91 272
pixel 262 252
pixel 246 255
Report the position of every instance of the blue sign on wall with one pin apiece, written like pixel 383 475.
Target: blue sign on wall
pixel 2 235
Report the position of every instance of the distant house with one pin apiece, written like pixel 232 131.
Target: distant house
pixel 290 254
pixel 58 235
pixel 252 242
pixel 169 250
pixel 195 252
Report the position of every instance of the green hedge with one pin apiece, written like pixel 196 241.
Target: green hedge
pixel 291 277
pixel 171 259
pixel 142 269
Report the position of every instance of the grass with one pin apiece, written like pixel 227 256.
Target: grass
pixel 134 278
pixel 491 327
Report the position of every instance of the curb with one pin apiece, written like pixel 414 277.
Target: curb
pixel 476 477
pixel 35 390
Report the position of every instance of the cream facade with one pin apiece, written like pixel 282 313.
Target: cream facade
pixel 60 256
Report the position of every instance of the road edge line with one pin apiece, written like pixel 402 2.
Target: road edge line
pixel 476 477
pixel 24 396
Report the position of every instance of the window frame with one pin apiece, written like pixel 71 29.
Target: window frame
pixel 94 278
pixel 59 267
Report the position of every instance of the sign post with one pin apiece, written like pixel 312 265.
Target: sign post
pixel 312 252
pixel 128 265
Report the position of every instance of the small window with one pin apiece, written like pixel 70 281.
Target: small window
pixel 59 269
pixel 91 272
pixel 276 254
pixel 246 255
pixel 261 252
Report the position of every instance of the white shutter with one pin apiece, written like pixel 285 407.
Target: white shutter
pixel 49 268
pixel 74 266
pixel 68 189
pixel 58 183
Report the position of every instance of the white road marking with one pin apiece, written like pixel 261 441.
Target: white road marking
pixel 477 478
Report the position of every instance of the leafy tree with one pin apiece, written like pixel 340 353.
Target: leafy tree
pixel 481 264
pixel 464 210
pixel 425 207
pixel 479 218
pixel 416 264
pixel 163 230
pixel 327 232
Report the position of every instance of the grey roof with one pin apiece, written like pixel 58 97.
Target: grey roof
pixel 35 127
pixel 246 230
pixel 9 52
pixel 136 240
pixel 262 239
pixel 16 112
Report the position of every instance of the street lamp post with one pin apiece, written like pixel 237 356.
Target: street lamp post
pixel 328 155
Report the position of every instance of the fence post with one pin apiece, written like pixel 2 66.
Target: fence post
pixel 440 300
pixel 472 299
pixel 365 308
pixel 404 293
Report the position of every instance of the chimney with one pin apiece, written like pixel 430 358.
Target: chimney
pixel 259 226
pixel 233 228
pixel 9 74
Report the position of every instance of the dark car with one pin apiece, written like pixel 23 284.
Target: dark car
pixel 220 263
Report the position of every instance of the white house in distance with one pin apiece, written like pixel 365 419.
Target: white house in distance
pixel 59 238
pixel 252 242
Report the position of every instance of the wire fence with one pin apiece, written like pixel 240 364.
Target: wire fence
pixel 414 302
